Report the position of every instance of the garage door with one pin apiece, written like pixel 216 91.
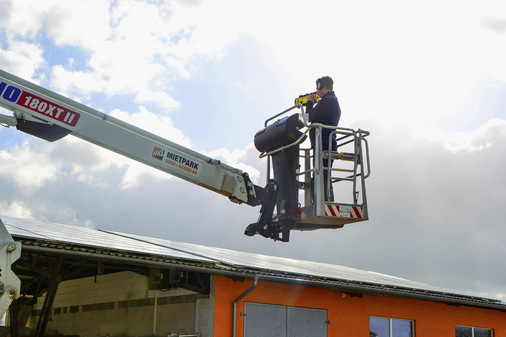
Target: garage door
pixel 267 320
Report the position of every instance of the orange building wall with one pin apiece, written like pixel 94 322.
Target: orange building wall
pixel 349 316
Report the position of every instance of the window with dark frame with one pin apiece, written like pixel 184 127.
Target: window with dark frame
pixel 467 331
pixel 390 327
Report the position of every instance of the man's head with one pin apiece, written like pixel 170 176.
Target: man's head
pixel 323 85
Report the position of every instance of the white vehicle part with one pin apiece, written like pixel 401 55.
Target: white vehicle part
pixel 10 251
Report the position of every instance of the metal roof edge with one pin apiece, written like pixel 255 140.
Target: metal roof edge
pixel 346 286
pixel 193 257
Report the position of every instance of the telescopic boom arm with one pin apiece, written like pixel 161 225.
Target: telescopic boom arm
pixel 50 116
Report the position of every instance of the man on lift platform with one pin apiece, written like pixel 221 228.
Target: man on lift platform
pixel 282 191
pixel 327 112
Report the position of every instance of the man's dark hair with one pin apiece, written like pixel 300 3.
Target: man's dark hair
pixel 325 81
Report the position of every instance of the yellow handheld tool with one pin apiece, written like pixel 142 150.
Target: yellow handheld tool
pixel 304 98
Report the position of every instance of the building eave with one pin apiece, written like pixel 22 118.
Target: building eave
pixel 355 288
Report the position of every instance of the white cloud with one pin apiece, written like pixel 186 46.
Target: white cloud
pixel 129 45
pixel 77 23
pixel 161 98
pixel 27 168
pixel 15 209
pixel 476 140
pixel 245 160
pixel 136 47
pixel 22 58
pixel 68 23
pixel 149 121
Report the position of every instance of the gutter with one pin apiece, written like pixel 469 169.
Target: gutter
pixel 250 289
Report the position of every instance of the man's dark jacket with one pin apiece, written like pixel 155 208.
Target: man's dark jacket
pixel 326 112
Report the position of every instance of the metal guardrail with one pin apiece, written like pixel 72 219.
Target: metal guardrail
pixel 313 164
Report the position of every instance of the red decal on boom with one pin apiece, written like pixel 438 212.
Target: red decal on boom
pixel 44 107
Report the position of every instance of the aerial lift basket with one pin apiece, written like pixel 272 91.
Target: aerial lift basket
pixel 298 171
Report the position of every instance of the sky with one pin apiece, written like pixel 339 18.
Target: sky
pixel 427 79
